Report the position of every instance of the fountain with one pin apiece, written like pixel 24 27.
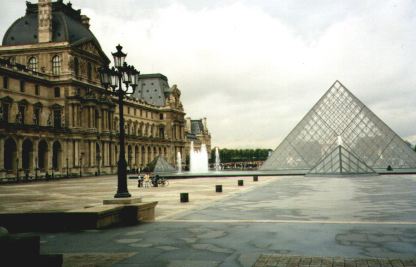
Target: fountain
pixel 179 162
pixel 198 159
pixel 217 160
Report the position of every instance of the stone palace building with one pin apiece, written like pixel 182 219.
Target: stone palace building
pixel 55 116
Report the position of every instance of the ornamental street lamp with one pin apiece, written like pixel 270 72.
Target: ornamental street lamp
pixel 113 80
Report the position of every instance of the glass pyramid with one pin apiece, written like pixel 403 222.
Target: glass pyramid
pixel 159 165
pixel 340 161
pixel 339 114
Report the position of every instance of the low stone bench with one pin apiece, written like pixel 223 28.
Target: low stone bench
pixel 24 250
pixel 96 217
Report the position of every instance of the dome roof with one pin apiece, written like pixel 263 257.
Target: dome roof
pixel 66 26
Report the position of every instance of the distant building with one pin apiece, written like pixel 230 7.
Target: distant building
pixel 54 114
pixel 196 131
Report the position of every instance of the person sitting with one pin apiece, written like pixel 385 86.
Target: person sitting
pixel 146 180
pixel 155 180
pixel 140 181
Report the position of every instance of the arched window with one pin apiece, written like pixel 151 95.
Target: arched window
pixel 56 65
pixel 32 64
pixel 76 67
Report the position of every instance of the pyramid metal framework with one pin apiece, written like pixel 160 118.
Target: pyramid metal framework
pixel 340 162
pixel 339 114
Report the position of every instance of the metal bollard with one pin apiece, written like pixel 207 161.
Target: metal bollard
pixel 240 182
pixel 218 188
pixel 184 197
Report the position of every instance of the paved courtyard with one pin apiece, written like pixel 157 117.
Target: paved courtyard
pixel 311 217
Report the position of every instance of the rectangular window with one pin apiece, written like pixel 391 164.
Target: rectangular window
pixel 89 71
pixel 5 111
pixel 22 114
pixel 56 65
pixel 36 89
pixel 6 82
pixel 161 116
pixel 57 92
pixel 22 86
pixel 57 118
pixel 135 112
pixel 128 110
pixel 36 116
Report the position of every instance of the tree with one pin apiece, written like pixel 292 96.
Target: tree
pixel 239 155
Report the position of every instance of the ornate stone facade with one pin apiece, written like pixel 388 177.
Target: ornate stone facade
pixel 198 133
pixel 54 115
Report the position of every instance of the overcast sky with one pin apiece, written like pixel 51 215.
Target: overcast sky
pixel 254 68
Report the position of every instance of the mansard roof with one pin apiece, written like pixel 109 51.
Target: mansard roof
pixel 66 26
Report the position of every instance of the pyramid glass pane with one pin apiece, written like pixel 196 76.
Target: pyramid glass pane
pixel 340 113
pixel 287 158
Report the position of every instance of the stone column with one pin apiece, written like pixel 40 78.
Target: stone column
pixel 107 155
pixel 62 156
pixel 139 156
pixel 76 153
pixel 102 120
pixel 92 154
pixel 69 116
pixel 133 156
pixel 19 152
pixel 91 117
pixel 76 114
pixel 151 154
pixel 49 157
pixel 35 154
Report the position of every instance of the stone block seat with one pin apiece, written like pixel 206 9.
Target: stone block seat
pixel 95 217
pixel 24 250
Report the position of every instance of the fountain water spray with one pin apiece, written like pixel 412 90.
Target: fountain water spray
pixel 198 159
pixel 179 162
pixel 217 160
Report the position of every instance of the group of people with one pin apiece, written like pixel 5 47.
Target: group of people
pixel 148 180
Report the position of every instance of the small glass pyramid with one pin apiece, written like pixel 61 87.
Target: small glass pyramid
pixel 340 114
pixel 341 162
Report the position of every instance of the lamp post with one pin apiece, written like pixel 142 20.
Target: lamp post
pixel 113 80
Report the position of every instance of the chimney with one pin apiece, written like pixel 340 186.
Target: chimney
pixel 45 21
pixel 204 122
pixel 85 21
pixel 188 124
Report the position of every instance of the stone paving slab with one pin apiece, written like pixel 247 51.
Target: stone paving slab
pixel 94 259
pixel 277 260
pixel 70 194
